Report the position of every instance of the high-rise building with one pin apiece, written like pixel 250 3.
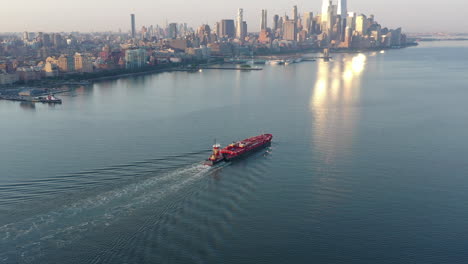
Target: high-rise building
pixel 46 42
pixel 326 4
pixel 25 36
pixel 351 21
pixel 362 24
pixel 135 59
pixel 342 13
pixel 295 17
pixel 132 18
pixel 172 31
pixel 307 21
pixel 276 25
pixel 240 34
pixel 289 30
pixel 227 28
pixel 264 23
pixel 342 9
pixel 66 63
pixel 82 63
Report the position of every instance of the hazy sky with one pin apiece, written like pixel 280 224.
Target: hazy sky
pixel 103 15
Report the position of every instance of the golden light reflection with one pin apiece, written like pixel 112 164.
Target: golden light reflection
pixel 333 105
pixel 335 112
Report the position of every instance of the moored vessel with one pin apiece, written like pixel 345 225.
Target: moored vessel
pixel 51 99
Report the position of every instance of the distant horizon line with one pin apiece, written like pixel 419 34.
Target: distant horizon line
pixel 128 31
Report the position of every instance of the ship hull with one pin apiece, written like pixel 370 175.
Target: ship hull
pixel 213 162
pixel 229 158
pixel 238 150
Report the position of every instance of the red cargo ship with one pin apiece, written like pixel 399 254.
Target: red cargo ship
pixel 238 149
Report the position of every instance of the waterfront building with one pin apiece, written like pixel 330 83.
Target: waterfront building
pixel 351 21
pixel 8 78
pixel 29 73
pixel 396 37
pixel 83 63
pixel 132 18
pixel 66 63
pixel 135 58
pixel 51 69
pixel 362 24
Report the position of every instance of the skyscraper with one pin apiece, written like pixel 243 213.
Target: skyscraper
pixel 25 37
pixel 264 23
pixel 275 23
pixel 295 14
pixel 132 16
pixel 228 29
pixel 342 9
pixel 325 6
pixel 307 21
pixel 362 24
pixel 172 31
pixel 289 30
pixel 240 34
pixel 343 15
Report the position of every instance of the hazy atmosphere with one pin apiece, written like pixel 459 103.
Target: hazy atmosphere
pixel 104 15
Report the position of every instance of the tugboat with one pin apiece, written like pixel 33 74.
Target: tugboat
pixel 238 149
pixel 216 157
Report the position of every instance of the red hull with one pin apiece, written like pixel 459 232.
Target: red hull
pixel 246 146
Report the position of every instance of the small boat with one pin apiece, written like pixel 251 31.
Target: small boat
pixel 277 62
pixel 49 99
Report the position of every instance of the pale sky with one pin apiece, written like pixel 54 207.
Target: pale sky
pixel 104 15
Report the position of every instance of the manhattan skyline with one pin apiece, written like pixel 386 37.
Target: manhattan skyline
pixel 92 16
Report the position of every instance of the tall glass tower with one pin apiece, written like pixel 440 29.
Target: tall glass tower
pixel 343 9
pixel 325 6
pixel 240 24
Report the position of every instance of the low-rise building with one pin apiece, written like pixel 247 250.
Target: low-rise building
pixel 8 78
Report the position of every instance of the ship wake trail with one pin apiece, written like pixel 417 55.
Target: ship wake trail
pixel 28 239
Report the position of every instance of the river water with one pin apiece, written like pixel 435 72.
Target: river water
pixel 368 165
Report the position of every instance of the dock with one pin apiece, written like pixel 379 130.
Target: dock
pixel 232 68
pixel 218 68
pixel 18 98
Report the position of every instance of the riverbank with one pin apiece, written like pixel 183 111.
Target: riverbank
pixel 84 79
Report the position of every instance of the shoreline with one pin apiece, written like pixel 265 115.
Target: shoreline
pixel 83 81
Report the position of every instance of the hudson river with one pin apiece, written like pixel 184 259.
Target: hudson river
pixel 368 165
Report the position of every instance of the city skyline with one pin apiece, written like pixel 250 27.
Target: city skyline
pixel 68 18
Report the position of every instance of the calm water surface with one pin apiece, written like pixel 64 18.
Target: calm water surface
pixel 368 165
